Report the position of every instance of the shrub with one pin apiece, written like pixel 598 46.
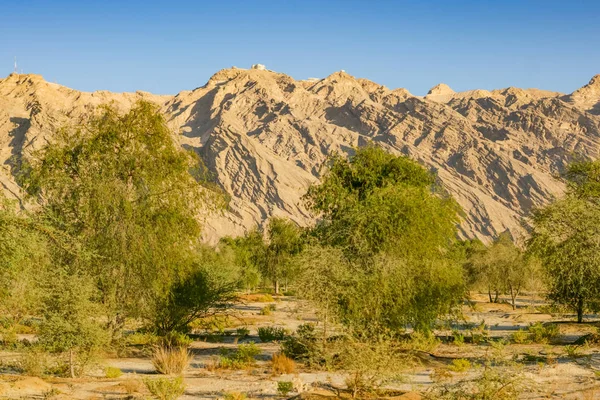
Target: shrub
pixel 459 338
pixel 112 372
pixel 573 351
pixel 302 345
pixel 271 333
pixel 141 339
pixel 165 388
pixel 169 361
pixel 284 387
pixel 268 310
pixel 240 358
pixel 235 396
pixel 242 332
pixel 542 333
pixel 520 337
pixel 174 340
pixel 460 365
pixel 280 364
pixel 34 362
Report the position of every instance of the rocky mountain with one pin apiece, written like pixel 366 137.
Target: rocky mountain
pixel 265 137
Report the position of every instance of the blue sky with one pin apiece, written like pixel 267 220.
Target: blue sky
pixel 166 47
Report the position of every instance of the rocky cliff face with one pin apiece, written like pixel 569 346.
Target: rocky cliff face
pixel 265 136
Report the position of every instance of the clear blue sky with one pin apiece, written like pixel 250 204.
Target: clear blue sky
pixel 166 47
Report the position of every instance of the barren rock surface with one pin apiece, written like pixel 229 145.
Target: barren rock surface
pixel 265 137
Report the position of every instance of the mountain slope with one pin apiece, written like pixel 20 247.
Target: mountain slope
pixel 265 137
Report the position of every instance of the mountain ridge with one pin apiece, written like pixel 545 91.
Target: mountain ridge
pixel 265 136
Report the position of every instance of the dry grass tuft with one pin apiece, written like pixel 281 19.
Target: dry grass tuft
pixel 281 364
pixel 169 361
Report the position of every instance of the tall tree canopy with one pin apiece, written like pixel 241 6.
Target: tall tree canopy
pixel 397 229
pixel 123 188
pixel 566 238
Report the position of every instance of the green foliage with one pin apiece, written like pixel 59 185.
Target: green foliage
pixel 303 344
pixel 386 244
pixel 271 333
pixel 491 384
pixel 284 241
pixel 460 365
pixel 240 358
pixel 284 387
pixel 268 310
pixel 122 187
pixel 564 238
pixel 500 268
pixel 70 323
pixel 201 293
pixel 520 337
pixel 165 388
pixel 242 332
pixel 542 333
pixel 112 372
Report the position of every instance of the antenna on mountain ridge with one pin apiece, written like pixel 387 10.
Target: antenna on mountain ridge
pixel 16 71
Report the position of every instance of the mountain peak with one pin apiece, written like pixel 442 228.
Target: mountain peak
pixel 441 88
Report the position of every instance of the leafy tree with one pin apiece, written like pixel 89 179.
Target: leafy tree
pixel 123 188
pixel 501 267
pixel 249 256
pixel 24 253
pixel 70 323
pixel 565 238
pixel 284 241
pixel 397 230
pixel 208 290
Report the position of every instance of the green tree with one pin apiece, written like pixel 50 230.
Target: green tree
pixel 284 241
pixel 501 268
pixel 70 310
pixel 397 231
pixel 249 256
pixel 123 188
pixel 24 253
pixel 565 238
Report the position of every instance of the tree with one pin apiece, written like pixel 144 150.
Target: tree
pixel 284 241
pixel 566 239
pixel 24 252
pixel 70 322
pixel 501 267
pixel 123 188
pixel 396 229
pixel 248 256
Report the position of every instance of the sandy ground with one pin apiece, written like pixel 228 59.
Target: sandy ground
pixel 547 372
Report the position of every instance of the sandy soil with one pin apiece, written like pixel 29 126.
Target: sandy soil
pixel 546 369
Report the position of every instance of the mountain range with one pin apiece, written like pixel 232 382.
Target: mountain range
pixel 265 137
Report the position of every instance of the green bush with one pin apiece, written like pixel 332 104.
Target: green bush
pixel 242 332
pixel 460 365
pixel 174 340
pixel 542 333
pixel 520 337
pixel 112 372
pixel 268 310
pixel 271 333
pixel 284 387
pixel 302 345
pixel 165 388
pixel 240 358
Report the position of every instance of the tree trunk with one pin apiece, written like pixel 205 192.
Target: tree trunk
pixel 496 295
pixel 276 286
pixel 580 310
pixel 490 293
pixel 71 363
